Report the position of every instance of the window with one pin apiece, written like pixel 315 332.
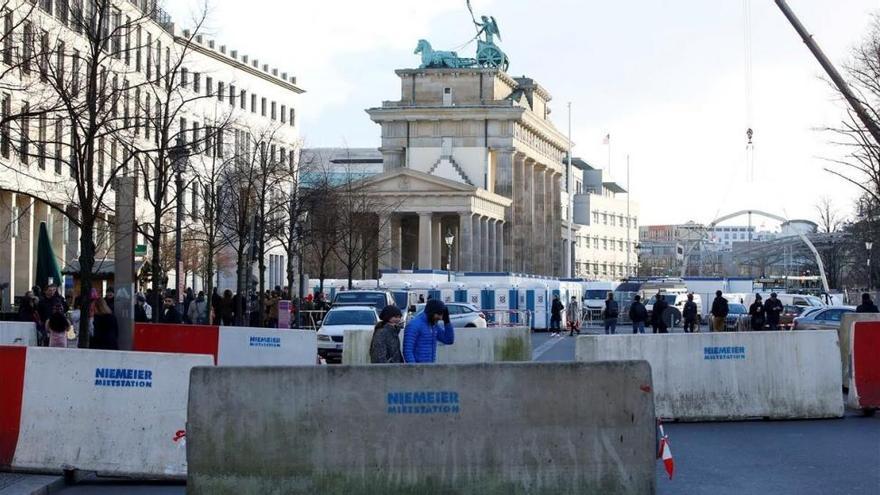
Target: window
pixel 24 148
pixel 605 219
pixel 232 94
pixel 7 37
pixel 27 48
pixel 5 110
pixel 262 107
pixel 220 143
pixel 158 59
pixel 148 162
pixel 292 117
pixel 137 54
pixel 195 137
pixel 209 141
pixel 613 221
pixel 184 80
pixel 243 100
pixel 137 111
pixel 147 119
pixel 128 41
pixel 220 93
pixel 182 132
pixel 197 82
pixel 596 217
pixel 274 113
pixel 149 50
pixel 253 103
pixel 59 63
pixel 116 42
pixel 283 114
pixel 100 160
pixel 126 104
pixel 114 164
pixel 41 142
pixel 195 202
pixel 46 5
pixel 209 86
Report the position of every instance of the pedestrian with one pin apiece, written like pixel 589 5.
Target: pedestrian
pixel 140 311
pixel 610 314
pixel 27 308
pixel 272 310
pixel 106 332
pixel 422 333
pixel 385 344
pixel 573 317
pixel 638 315
pixel 719 312
pixel 227 308
pixel 867 305
pixel 772 310
pixel 48 301
pixel 690 314
pixel 215 306
pixel 57 325
pixel 658 322
pixel 169 312
pixel 198 310
pixel 110 298
pixel 556 316
pixel 757 316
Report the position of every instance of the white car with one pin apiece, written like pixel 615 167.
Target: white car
pixel 336 322
pixel 461 315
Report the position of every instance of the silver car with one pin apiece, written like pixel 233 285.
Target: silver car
pixel 827 318
pixel 461 315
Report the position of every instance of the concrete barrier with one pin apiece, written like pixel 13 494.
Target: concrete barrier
pixel 112 412
pixel 472 345
pixel 431 429
pixel 731 376
pixel 231 346
pixel 864 384
pixel 18 333
pixel 844 335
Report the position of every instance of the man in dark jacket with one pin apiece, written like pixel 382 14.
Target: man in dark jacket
pixel 757 315
pixel 638 315
pixel 385 344
pixel 422 333
pixel 658 322
pixel 140 313
pixel 556 316
pixel 773 309
pixel 49 299
pixel 110 298
pixel 689 313
pixel 169 312
pixel 719 312
pixel 867 305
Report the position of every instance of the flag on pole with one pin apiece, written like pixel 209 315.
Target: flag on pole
pixel 665 454
pixel 606 139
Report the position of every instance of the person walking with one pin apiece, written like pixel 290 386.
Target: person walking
pixel 57 325
pixel 272 310
pixel 773 309
pixel 227 308
pixel 690 314
pixel 556 309
pixel 610 314
pixel 638 315
pixel 198 310
pixel 169 312
pixel 106 332
pixel 385 344
pixel 573 317
pixel 719 312
pixel 757 316
pixel 867 305
pixel 110 298
pixel 216 300
pixel 422 333
pixel 658 322
pixel 140 310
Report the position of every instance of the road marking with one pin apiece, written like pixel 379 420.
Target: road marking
pixel 546 346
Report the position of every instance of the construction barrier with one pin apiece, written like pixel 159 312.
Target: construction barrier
pixel 731 376
pixel 864 384
pixel 18 333
pixel 471 429
pixel 230 346
pixel 112 412
pixel 472 345
pixel 844 334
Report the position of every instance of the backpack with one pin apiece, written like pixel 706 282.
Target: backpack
pixel 611 309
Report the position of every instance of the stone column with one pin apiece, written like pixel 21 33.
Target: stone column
pixel 478 252
pixel 438 245
pixel 491 240
pixel 504 162
pixel 499 246
pixel 425 243
pixel 25 244
pixel 7 250
pixel 465 242
pixel 395 248
pixel 514 236
pixel 386 234
pixel 532 245
pixel 556 219
pixel 539 228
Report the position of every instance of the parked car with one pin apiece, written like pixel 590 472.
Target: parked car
pixel 336 322
pixel 827 318
pixel 738 319
pixel 461 315
pixel 789 313
pixel 376 298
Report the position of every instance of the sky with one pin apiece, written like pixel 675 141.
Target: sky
pixel 667 79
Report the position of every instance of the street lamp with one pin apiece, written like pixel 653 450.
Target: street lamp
pixel 868 246
pixel 178 155
pixel 449 240
pixel 302 249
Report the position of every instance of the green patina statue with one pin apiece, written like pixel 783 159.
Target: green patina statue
pixel 488 53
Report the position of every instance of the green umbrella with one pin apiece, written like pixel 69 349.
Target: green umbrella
pixel 47 265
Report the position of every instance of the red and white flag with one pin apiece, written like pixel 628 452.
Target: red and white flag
pixel 666 454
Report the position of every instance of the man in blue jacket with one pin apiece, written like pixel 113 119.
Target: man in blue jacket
pixel 422 333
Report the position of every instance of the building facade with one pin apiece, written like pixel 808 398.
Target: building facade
pixel 223 94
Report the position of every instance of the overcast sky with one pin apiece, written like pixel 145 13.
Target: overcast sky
pixel 666 79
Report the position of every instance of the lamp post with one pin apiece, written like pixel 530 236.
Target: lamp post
pixel 302 250
pixel 868 246
pixel 449 240
pixel 178 155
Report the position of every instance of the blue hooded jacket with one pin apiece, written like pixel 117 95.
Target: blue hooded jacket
pixel 420 337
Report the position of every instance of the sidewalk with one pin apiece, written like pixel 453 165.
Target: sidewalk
pixel 29 484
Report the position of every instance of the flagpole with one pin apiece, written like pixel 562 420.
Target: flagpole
pixel 609 157
pixel 628 220
pixel 568 267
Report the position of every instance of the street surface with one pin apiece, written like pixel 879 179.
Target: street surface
pixel 822 457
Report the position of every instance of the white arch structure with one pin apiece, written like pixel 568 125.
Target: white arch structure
pixel 772 217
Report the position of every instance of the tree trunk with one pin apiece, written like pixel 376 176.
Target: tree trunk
pixel 86 271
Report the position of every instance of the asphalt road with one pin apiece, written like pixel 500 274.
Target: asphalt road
pixel 822 457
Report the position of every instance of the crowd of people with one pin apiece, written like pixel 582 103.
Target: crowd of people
pixel 57 319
